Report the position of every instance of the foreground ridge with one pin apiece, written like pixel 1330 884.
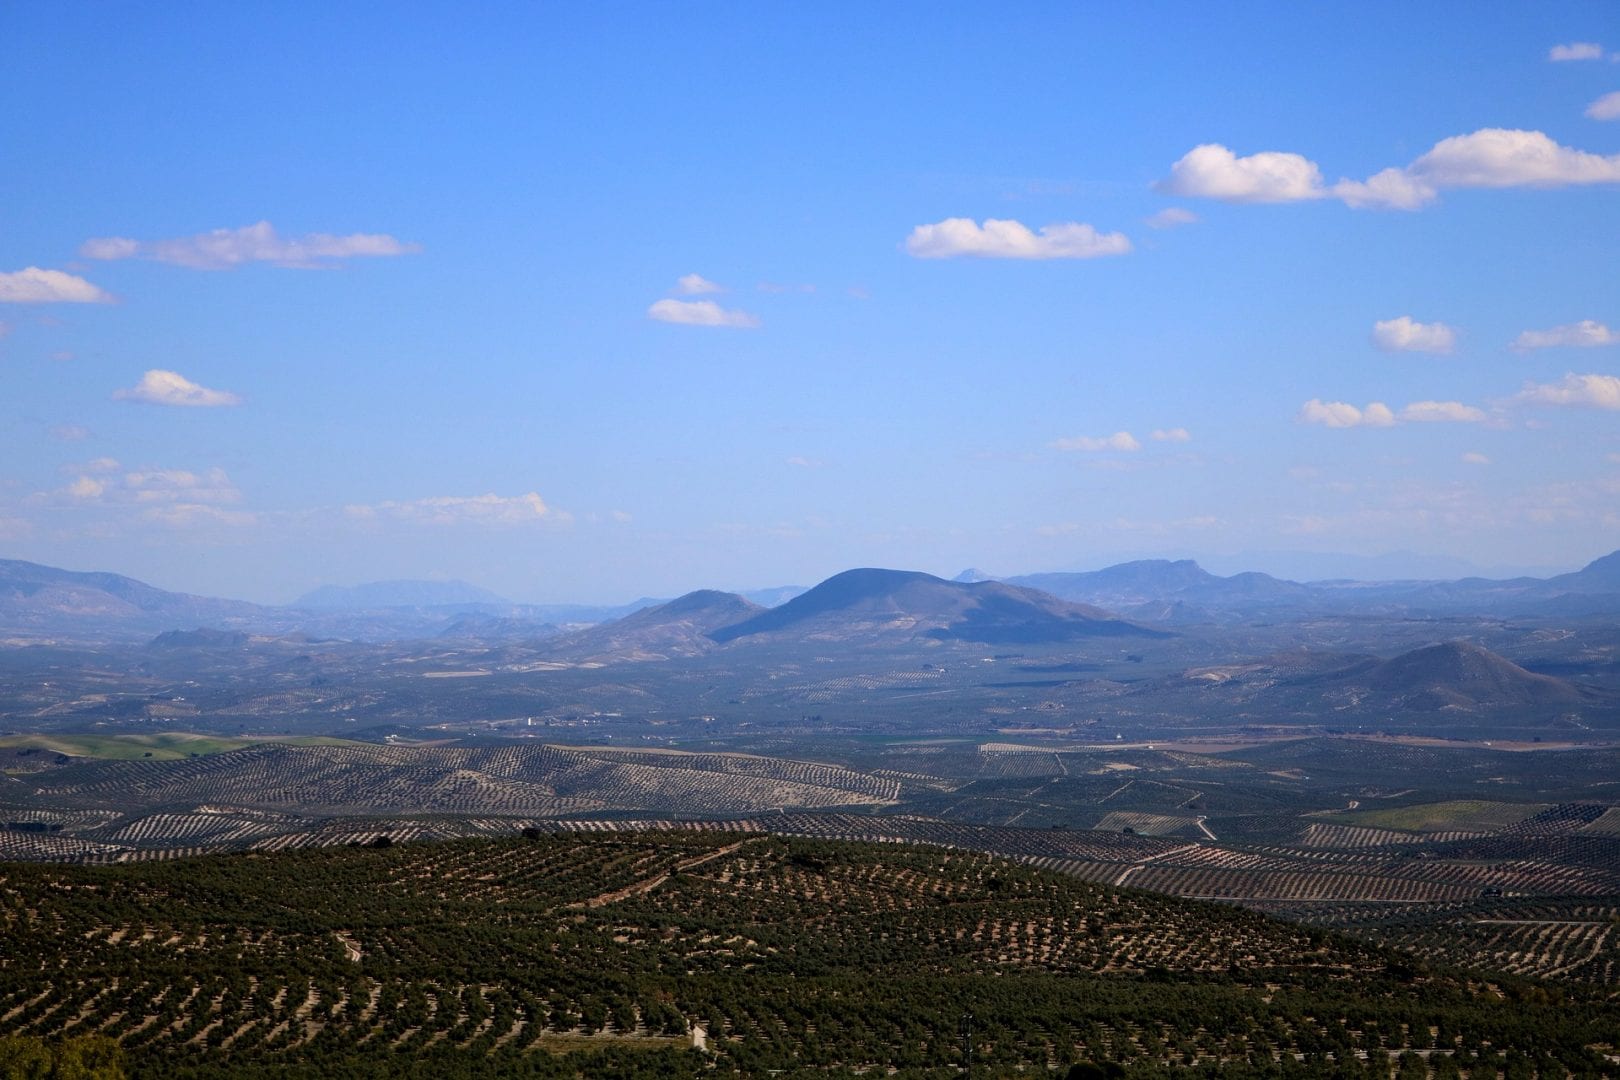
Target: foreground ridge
pixel 616 954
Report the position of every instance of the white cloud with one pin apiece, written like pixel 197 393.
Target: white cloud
pixel 223 249
pixel 1172 217
pixel 1589 391
pixel 1575 50
pixel 1585 334
pixel 1404 334
pixel 1339 414
pixel 1500 158
pixel 70 432
pixel 1178 435
pixel 1442 412
pixel 158 387
pixel 1211 171
pixel 699 313
pixel 1001 238
pixel 177 497
pixel 1119 440
pixel 457 509
pixel 799 461
pixel 35 286
pixel 1474 457
pixel 1488 158
pixel 1391 189
pixel 696 285
pixel 1606 107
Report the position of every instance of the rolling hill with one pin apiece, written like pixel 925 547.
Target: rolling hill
pixel 895 606
pixel 693 954
pixel 682 627
pixel 43 601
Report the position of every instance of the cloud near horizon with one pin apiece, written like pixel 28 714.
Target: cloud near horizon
pixel 33 285
pixel 1487 158
pixel 490 509
pixel 225 249
pixel 1175 435
pixel 178 498
pixel 159 387
pixel 1405 334
pixel 700 313
pixel 1000 238
pixel 1586 334
pixel 1119 440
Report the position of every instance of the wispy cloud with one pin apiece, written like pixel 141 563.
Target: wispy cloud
pixel 158 387
pixel 70 432
pixel 1454 412
pixel 1404 334
pixel 1341 414
pixel 1606 107
pixel 1578 391
pixel 1007 239
pixel 35 286
pixel 1474 457
pixel 1575 50
pixel 1175 435
pixel 1119 440
pixel 463 509
pixel 1588 333
pixel 178 498
pixel 1488 158
pixel 224 249
pixel 696 285
pixel 700 313
pixel 1172 217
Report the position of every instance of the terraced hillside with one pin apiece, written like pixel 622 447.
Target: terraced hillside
pixel 621 954
pixel 244 793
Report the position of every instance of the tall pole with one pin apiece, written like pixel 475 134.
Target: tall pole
pixel 964 1027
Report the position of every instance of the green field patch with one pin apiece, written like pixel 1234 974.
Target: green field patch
pixel 1465 815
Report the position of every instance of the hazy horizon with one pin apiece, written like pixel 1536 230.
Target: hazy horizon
pixel 584 305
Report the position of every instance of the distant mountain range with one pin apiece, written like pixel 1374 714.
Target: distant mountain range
pixel 869 605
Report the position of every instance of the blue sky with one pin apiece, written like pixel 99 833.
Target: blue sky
pixel 588 302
